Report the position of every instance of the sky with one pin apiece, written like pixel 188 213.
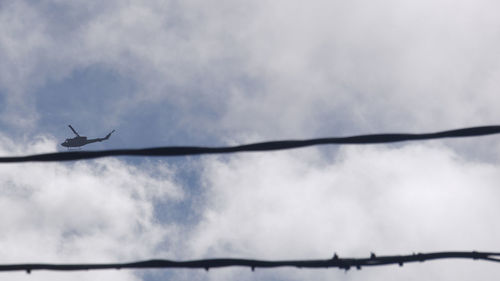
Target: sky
pixel 232 72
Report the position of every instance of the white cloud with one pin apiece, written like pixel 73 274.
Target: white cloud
pixel 163 46
pixel 95 211
pixel 416 198
pixel 296 67
pixel 329 66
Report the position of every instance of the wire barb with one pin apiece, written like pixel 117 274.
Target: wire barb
pixel 206 264
pixel 261 146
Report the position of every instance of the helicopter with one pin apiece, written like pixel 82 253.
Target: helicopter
pixel 81 140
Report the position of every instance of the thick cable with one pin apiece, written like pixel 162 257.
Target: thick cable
pixel 261 146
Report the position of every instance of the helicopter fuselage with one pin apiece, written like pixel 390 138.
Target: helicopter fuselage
pixel 79 141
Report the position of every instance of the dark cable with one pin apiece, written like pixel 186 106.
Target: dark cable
pixel 262 146
pixel 334 262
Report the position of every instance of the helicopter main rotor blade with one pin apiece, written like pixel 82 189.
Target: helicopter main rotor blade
pixel 73 130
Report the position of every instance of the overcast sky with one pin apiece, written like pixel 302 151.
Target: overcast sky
pixel 229 72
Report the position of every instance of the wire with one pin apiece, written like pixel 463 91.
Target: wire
pixel 334 262
pixel 262 146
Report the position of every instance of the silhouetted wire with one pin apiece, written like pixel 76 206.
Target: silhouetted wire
pixel 334 262
pixel 262 146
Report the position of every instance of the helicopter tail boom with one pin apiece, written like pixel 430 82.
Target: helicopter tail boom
pixel 108 135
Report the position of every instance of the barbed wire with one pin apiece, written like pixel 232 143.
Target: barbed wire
pixel 261 146
pixel 334 262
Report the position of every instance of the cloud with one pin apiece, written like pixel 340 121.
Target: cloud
pixel 159 48
pixel 325 66
pixel 299 68
pixel 95 211
pixel 415 198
